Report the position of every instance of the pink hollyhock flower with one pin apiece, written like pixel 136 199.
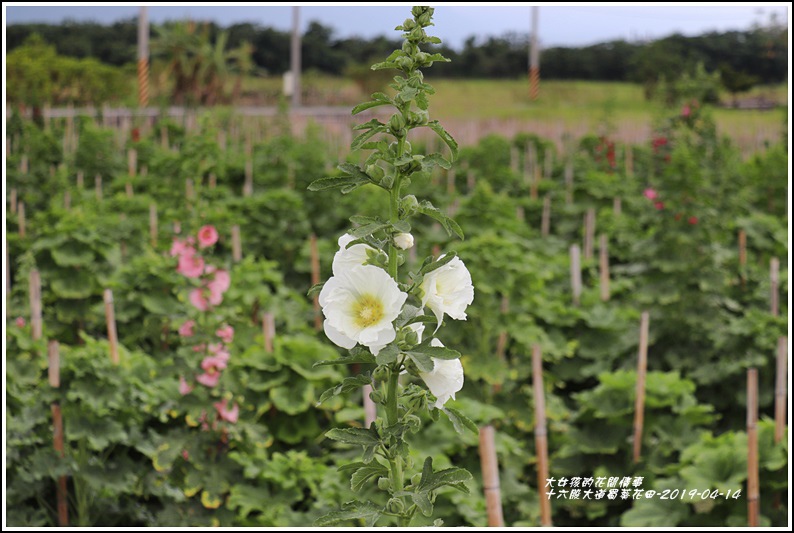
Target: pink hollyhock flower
pixel 186 329
pixel 185 455
pixel 693 220
pixel 184 386
pixel 199 347
pixel 207 236
pixel 190 266
pixel 659 205
pixel 220 352
pixel 650 193
pixel 213 363
pixel 226 333
pixel 20 322
pixel 182 247
pixel 209 379
pixel 198 300
pixel 229 415
pixel 686 111
pixel 219 284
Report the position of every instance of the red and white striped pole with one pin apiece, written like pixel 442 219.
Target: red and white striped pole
pixel 534 58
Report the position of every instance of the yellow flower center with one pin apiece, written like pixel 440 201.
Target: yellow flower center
pixel 367 310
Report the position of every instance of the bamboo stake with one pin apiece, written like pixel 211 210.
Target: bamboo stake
pixel 639 405
pixel 67 200
pixel 268 331
pixel 248 186
pixel 132 161
pixel 470 183
pixel 98 187
pixel 501 342
pixel 589 233
pixel 80 180
pixel 545 218
pixel 370 409
pixel 752 448
pixel 213 180
pixel 144 171
pixel 23 164
pixel 315 262
pixel 742 248
pixel 13 200
pixel 237 247
pixel 52 171
pixel 603 264
pixel 514 159
pixel 164 137
pixel 569 181
pixel 780 388
pixel 531 162
pixel 774 270
pixel 541 439
pixel 576 274
pixel 153 225
pixel 617 206
pixel 520 213
pixel 490 477
pixel 21 219
pixel 34 293
pixel 54 375
pixel 533 190
pixel 110 318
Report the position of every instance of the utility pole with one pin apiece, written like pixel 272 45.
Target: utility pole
pixel 143 57
pixel 534 58
pixel 295 57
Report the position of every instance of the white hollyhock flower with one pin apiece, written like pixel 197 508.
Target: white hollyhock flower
pixel 445 379
pixel 360 305
pixel 448 290
pixel 403 241
pixel 347 258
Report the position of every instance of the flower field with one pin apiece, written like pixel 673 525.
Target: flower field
pixel 607 320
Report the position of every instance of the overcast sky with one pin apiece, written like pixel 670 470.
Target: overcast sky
pixel 559 24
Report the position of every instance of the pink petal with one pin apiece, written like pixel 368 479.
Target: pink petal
pixel 198 300
pixel 208 380
pixel 184 386
pixel 186 329
pixel 207 236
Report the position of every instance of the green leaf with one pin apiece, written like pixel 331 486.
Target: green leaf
pixel 451 476
pixel 363 437
pixel 423 503
pixel 365 473
pixel 446 137
pixel 323 184
pixel 437 352
pixel 72 254
pixel 450 225
pixel 423 362
pixel 159 303
pixel 460 421
pixel 347 385
pixel 435 265
pixel 436 159
pixel 351 511
pixel 293 398
pixel 379 99
pixel 361 138
pixel 315 289
pixel 363 357
pixel 388 354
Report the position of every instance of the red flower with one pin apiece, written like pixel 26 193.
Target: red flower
pixel 693 220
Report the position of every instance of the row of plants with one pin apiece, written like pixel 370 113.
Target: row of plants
pixel 201 425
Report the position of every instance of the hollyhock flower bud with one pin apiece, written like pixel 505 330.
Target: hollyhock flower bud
pixel 403 241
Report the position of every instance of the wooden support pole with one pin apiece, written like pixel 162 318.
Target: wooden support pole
pixel 780 388
pixel 617 206
pixel 132 162
pixel 370 409
pixel 501 342
pixel 315 264
pixel 520 213
pixel 774 277
pixel 742 248
pixel 490 477
pixel 533 190
pixel 153 225
pixel 164 137
pixel 54 375
pixel 12 200
pixel 268 331
pixel 110 318
pixel 34 293
pixel 541 438
pixel 753 496
pixel 514 159
pixel 576 274
pixel 639 404
pixel 603 267
pixel 248 186
pixel 21 222
pixel 569 180
pixel 545 218
pixel 67 200
pixel 213 180
pixel 98 187
pixel 237 246
pixel 548 163
pixel 80 180
pixel 589 233
pixel 23 164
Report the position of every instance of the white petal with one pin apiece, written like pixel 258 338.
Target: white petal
pixel 338 337
pixel 444 380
